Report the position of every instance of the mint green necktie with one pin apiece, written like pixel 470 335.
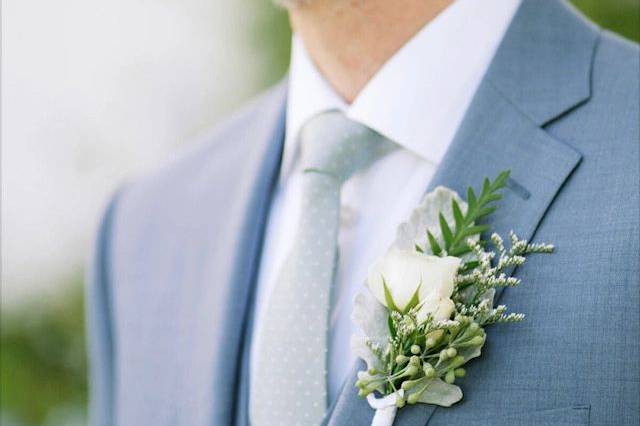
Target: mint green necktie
pixel 289 386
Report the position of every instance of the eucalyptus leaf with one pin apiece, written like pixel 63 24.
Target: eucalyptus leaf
pixel 371 316
pixel 470 353
pixel 425 218
pixel 360 349
pixel 489 295
pixel 440 393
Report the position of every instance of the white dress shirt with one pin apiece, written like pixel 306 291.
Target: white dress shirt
pixel 417 99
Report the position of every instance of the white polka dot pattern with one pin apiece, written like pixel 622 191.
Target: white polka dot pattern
pixel 290 386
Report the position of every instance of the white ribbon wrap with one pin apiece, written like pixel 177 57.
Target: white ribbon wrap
pixel 386 408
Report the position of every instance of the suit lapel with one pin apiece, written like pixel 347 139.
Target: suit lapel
pixel 539 163
pixel 266 139
pixel 493 137
pixel 541 71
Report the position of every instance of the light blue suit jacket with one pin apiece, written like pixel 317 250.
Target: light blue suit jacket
pixel 170 291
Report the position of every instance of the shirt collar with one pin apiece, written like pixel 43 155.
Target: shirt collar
pixel 419 97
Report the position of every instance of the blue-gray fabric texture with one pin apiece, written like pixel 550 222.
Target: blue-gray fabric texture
pixel 170 290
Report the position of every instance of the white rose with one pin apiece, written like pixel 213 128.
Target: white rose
pixel 404 270
pixel 440 308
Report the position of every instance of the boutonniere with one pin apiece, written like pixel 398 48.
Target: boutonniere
pixel 430 298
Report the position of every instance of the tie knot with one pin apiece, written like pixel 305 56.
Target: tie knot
pixel 333 144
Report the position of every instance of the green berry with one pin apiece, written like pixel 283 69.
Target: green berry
pixel 401 359
pixel 412 370
pixel 429 371
pixel 456 362
pixel 408 384
pixel 451 352
pixel 415 349
pixel 413 398
pixel 450 377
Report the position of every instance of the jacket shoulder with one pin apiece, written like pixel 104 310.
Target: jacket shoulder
pixel 209 159
pixel 235 135
pixel 617 57
pixel 615 86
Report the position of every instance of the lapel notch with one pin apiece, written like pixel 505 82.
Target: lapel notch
pixel 543 65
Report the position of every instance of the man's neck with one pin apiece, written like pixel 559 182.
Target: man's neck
pixel 349 40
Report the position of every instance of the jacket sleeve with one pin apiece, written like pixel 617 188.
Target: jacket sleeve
pixel 100 329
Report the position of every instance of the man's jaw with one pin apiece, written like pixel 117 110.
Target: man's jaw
pixel 291 4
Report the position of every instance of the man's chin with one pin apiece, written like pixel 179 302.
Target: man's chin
pixel 291 4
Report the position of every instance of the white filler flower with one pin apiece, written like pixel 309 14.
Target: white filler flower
pixel 408 273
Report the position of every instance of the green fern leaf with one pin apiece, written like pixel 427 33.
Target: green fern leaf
pixel 435 247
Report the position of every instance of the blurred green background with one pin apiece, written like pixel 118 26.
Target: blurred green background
pixel 42 353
